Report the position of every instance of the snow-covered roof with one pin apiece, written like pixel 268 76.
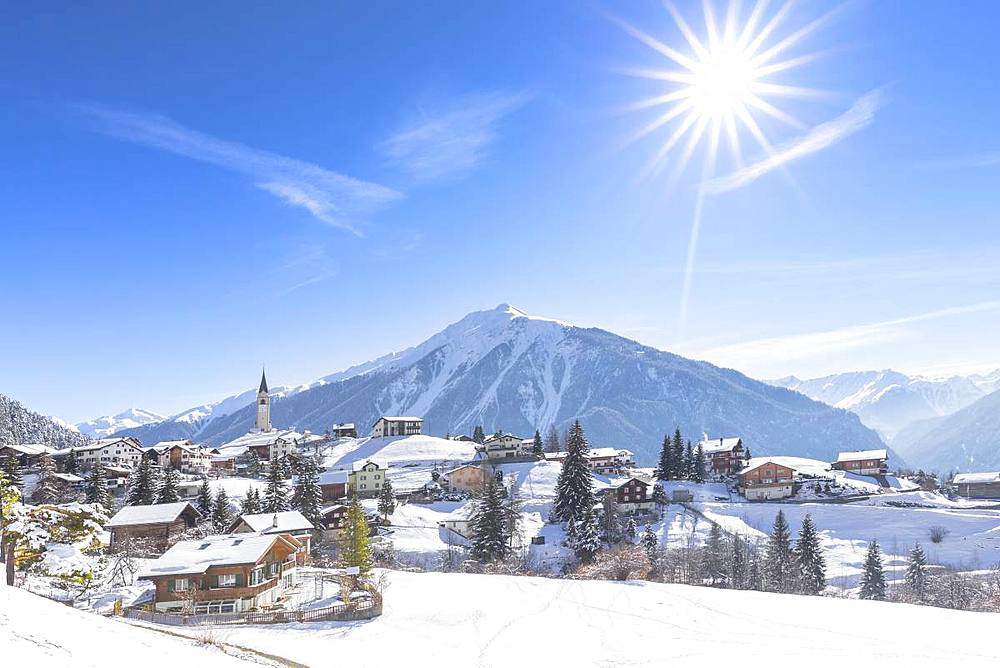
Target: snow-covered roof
pixel 506 435
pixel 344 425
pixel 858 455
pixel 618 481
pixel 461 513
pixel 333 477
pixel 117 471
pixel 965 478
pixel 360 464
pixel 67 477
pixel 463 466
pixel 160 513
pixel 712 445
pixel 398 418
pixel 756 462
pixel 197 556
pixel 268 523
pixel 105 442
pixel 593 453
pixel 260 438
pixel 330 509
pixel 28 448
pixel 182 443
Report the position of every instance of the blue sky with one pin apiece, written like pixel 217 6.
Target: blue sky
pixel 190 190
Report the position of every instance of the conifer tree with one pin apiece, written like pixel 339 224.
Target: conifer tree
pixel 142 485
pixel 97 488
pixel 916 573
pixel 574 487
pixel 478 435
pixel 611 520
pixel 168 487
pixel 631 530
pixel 665 466
pixel 250 505
pixel 809 559
pixel 677 455
pixel 588 540
pixel 221 515
pixel 698 472
pixel 873 578
pixel 386 501
pixel 307 497
pixel 489 540
pixel 71 464
pixel 204 498
pixel 354 547
pixel 779 573
pixel 650 544
pixel 276 493
pixel 713 557
pixel 47 487
pixel 537 448
pixel 12 470
pixel 755 578
pixel 737 563
pixel 688 466
pixel 552 440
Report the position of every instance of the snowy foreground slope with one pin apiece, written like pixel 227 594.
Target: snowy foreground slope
pixel 40 633
pixel 451 619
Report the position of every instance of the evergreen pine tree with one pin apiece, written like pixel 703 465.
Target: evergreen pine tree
pixel 354 548
pixel 221 515
pixel 12 469
pixel 168 487
pixel 142 485
pixel 779 573
pixel 47 487
pixel 650 544
pixel 916 573
pixel 489 540
pixel 809 559
pixel 755 579
pixel 665 466
pixel 307 497
pixel 737 563
pixel 478 435
pixel 630 530
pixel 688 467
pixel 205 498
pixel 386 501
pixel 677 455
pixel 574 487
pixel 276 493
pixel 698 472
pixel 537 448
pixel 588 540
pixel 873 578
pixel 97 488
pixel 250 505
pixel 71 464
pixel 552 440
pixel 611 521
pixel 713 563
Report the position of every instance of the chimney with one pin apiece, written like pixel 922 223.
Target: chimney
pixel 274 521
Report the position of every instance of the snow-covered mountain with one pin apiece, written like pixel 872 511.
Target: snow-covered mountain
pixel 20 425
pixel 110 424
pixel 966 440
pixel 504 369
pixel 889 401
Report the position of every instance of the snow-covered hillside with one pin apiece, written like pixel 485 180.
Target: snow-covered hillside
pixel 453 619
pixel 112 424
pixel 889 401
pixel 967 440
pixel 40 633
pixel 20 425
pixel 504 369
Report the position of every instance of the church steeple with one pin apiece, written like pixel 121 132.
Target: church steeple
pixel 263 422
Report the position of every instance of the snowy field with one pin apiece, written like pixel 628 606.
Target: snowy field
pixel 40 633
pixel 972 541
pixel 451 619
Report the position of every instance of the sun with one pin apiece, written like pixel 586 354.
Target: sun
pixel 721 82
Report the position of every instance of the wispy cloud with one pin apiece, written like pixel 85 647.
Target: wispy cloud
pixel 453 138
pixel 859 116
pixel 762 352
pixel 331 197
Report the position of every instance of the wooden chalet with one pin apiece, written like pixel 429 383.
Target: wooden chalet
pixel 977 485
pixel 157 526
pixel 863 462
pixel 723 456
pixel 766 478
pixel 290 522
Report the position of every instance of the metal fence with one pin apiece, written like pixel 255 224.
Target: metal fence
pixel 343 612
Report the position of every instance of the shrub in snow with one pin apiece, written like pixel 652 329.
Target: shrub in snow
pixel 937 533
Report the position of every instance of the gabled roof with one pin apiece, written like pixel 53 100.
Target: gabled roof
pixel 257 439
pixel 398 418
pixel 592 453
pixel 757 462
pixel 161 513
pixel 966 478
pixel 183 443
pixel 333 477
pixel 128 441
pixel 67 477
pixel 192 557
pixel 334 507
pixel 507 435
pixel 344 425
pixel 289 521
pixel 28 448
pixel 726 444
pixel 858 455
pixel 463 466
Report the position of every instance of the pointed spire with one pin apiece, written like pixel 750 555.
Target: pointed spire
pixel 263 381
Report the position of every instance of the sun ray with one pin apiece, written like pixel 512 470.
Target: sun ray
pixel 731 20
pixel 785 65
pixel 678 134
pixel 699 49
pixel 660 121
pixel 783 90
pixel 795 37
pixel 774 112
pixel 766 31
pixel 661 75
pixel 751 24
pixel 710 27
pixel 658 100
pixel 655 44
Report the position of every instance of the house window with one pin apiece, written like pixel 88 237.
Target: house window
pixel 227 580
pixel 215 607
pixel 180 584
pixel 257 576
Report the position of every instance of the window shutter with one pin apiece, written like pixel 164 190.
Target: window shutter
pixel 239 579
pixel 213 581
pixel 170 584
